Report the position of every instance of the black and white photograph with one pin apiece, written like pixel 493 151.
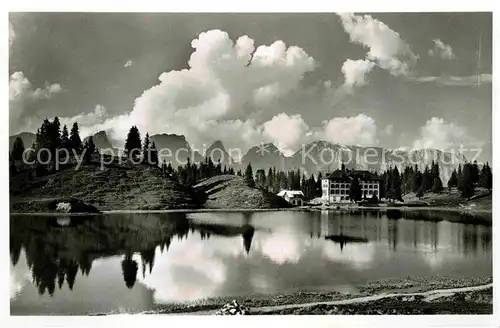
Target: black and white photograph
pixel 213 164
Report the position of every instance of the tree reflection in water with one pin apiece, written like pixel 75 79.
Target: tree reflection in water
pixel 129 270
pixel 55 254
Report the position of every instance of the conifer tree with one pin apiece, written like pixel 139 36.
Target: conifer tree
pixel 474 172
pixel 270 179
pixel 17 149
pixel 296 182
pixel 388 183
pixel 459 177
pixel 65 144
pixel 467 183
pixel 416 179
pixel 453 181
pixel 218 168
pixel 74 138
pixel 55 134
pixel 146 156
pixel 382 191
pixel 249 176
pixel 317 187
pixel 164 167
pixel 90 149
pixel 260 178
pixel 133 143
pixel 486 177
pixel 437 186
pixel 283 180
pixel 395 189
pixel 289 179
pixel 427 179
pixel 311 185
pixel 275 182
pixel 154 155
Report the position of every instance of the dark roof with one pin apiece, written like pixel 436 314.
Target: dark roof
pixel 338 175
pixel 348 175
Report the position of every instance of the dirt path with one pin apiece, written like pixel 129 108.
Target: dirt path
pixel 429 295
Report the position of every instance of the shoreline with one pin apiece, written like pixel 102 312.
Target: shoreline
pixel 292 209
pixel 374 297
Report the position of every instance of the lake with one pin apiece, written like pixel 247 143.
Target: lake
pixel 136 262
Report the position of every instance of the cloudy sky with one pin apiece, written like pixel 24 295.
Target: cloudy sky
pixel 393 80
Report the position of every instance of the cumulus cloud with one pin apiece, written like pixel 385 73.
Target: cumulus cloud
pixel 355 130
pixel 440 134
pixel 88 123
pixel 442 50
pixel 48 92
pixel 20 88
pixel 355 70
pixel 286 132
pixel 22 94
pixel 128 63
pixel 222 95
pixel 471 80
pixel 212 99
pixel 385 46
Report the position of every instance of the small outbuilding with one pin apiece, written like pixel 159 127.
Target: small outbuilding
pixel 294 197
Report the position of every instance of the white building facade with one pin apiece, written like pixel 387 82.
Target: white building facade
pixel 335 187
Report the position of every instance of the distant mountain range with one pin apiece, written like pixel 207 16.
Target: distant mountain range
pixel 265 156
pixel 317 156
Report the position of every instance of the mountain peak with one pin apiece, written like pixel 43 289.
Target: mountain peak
pixel 101 140
pixel 263 156
pixel 217 144
pixel 218 153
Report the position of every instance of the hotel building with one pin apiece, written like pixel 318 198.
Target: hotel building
pixel 335 186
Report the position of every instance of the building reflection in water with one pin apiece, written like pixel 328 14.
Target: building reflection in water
pixel 55 254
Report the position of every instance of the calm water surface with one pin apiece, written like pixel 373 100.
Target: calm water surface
pixel 136 262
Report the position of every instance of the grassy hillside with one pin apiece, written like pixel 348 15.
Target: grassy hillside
pixel 482 199
pixel 231 192
pixel 115 187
